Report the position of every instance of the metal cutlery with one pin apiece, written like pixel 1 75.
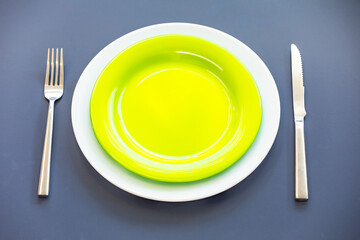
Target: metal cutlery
pixel 53 90
pixel 301 185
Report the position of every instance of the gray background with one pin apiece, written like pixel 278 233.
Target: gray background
pixel 83 205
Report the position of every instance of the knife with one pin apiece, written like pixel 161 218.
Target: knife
pixel 301 186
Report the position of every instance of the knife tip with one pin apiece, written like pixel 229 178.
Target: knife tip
pixel 293 46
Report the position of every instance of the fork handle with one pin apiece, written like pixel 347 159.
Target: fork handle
pixel 301 186
pixel 44 181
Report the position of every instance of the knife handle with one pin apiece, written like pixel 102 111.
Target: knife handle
pixel 301 186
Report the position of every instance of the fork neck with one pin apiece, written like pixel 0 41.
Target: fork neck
pixel 51 103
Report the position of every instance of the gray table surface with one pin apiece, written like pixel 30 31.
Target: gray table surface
pixel 83 205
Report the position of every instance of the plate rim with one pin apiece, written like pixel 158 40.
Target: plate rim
pixel 155 190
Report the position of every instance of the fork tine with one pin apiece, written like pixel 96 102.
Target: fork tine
pixel 56 67
pixel 52 68
pixel 61 82
pixel 47 68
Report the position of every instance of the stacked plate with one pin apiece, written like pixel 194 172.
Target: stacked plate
pixel 175 112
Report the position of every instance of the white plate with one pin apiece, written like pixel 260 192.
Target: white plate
pixel 176 192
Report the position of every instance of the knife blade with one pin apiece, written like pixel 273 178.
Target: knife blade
pixel 297 83
pixel 301 185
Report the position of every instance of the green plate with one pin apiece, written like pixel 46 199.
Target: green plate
pixel 175 108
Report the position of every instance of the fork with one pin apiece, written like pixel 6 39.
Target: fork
pixel 53 90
